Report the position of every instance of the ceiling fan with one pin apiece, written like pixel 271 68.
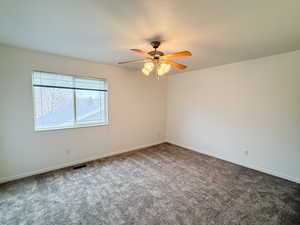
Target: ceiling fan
pixel 157 60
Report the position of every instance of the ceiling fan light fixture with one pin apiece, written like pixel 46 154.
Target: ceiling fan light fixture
pixel 145 71
pixel 163 69
pixel 149 66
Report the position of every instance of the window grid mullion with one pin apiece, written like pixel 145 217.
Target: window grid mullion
pixel 74 107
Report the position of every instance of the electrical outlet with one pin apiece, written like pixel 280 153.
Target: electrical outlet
pixel 246 152
pixel 68 152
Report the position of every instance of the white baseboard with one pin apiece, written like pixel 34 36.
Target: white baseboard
pixel 48 169
pixel 258 168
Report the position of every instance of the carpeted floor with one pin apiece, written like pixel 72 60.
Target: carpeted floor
pixel 164 184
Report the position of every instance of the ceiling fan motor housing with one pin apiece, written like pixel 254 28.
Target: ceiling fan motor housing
pixel 155 53
pixel 155 44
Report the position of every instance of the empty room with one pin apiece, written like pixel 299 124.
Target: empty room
pixel 136 112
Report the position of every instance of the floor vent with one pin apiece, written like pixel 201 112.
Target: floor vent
pixel 79 167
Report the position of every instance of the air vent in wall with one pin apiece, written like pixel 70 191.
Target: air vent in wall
pixel 79 167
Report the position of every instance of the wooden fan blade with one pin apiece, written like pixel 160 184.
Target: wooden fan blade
pixel 133 61
pixel 176 65
pixel 141 52
pixel 177 55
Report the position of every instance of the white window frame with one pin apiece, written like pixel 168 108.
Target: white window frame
pixel 75 125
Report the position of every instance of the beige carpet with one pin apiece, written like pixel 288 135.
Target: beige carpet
pixel 158 185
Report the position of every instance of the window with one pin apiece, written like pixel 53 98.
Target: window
pixel 63 101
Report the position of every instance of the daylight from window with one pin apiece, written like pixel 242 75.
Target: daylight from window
pixel 64 101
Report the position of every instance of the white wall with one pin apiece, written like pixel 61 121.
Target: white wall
pixel 136 115
pixel 249 106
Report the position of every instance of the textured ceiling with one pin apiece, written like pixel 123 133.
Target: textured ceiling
pixel 215 31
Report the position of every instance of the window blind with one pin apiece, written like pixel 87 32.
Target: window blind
pixel 43 79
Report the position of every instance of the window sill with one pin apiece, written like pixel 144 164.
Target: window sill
pixel 71 127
